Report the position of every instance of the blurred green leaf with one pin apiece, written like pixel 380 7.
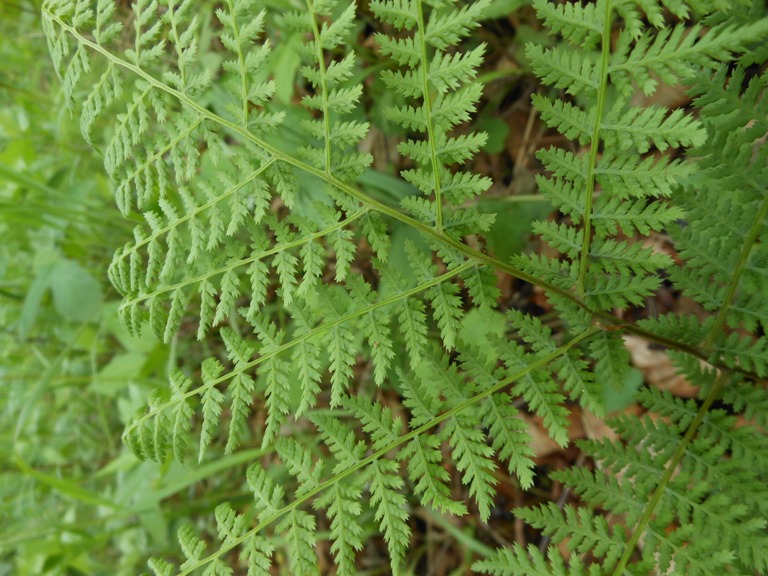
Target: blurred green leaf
pixel 497 131
pixel 617 398
pixel 501 8
pixel 65 487
pixel 514 220
pixel 76 294
pixel 480 328
pixel 118 373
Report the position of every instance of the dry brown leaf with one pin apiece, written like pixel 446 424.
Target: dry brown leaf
pixel 541 443
pixel 657 368
pixel 595 427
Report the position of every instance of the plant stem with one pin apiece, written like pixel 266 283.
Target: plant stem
pixel 602 91
pixel 323 87
pixel 430 126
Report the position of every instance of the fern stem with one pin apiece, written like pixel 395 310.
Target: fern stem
pixel 176 43
pixel 741 265
pixel 241 63
pixel 469 252
pixel 602 91
pixel 322 329
pixel 323 87
pixel 667 476
pixel 430 125
pixel 310 494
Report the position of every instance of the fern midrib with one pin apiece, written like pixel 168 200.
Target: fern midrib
pixel 430 125
pixel 594 147
pixel 200 209
pixel 237 264
pixel 309 495
pixel 323 88
pixel 323 328
pixel 241 63
pixel 741 266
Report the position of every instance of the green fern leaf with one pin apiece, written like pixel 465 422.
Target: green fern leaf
pixel 519 561
pixel 256 554
pixel 299 526
pixel 390 509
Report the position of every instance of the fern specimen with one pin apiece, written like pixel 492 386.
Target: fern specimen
pixel 266 274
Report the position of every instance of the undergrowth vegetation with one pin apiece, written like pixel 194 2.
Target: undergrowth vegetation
pixel 349 317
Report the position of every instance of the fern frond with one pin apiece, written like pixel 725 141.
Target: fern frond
pixel 468 444
pixel 257 555
pixel 726 272
pixel 638 128
pixel 299 526
pixel 423 453
pixel 612 359
pixel 587 532
pixel 343 505
pixel 333 97
pixel 690 496
pixel 579 25
pixel 672 54
pixel 390 509
pixel 564 68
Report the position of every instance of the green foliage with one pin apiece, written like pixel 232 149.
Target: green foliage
pixel 330 321
pixel 70 375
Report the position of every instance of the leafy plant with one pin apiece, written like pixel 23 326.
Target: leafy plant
pixel 292 271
